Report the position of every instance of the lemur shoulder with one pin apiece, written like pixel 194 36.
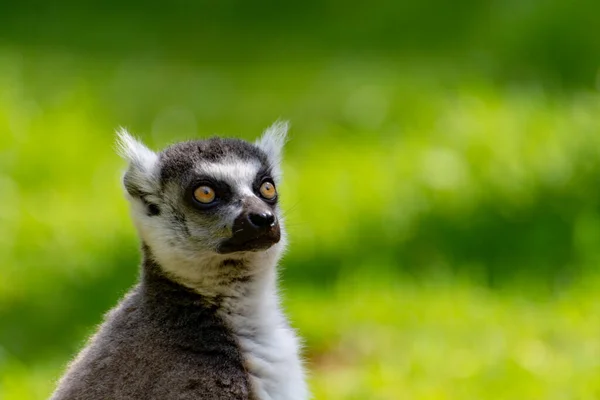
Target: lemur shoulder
pixel 204 320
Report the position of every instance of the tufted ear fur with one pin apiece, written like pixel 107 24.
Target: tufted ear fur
pixel 139 179
pixel 272 142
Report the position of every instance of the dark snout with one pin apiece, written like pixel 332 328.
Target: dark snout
pixel 254 229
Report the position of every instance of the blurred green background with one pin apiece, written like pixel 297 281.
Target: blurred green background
pixel 441 183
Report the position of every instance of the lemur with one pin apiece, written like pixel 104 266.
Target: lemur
pixel 204 320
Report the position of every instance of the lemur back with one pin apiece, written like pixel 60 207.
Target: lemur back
pixel 204 320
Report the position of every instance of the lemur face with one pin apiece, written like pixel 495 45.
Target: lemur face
pixel 219 194
pixel 206 198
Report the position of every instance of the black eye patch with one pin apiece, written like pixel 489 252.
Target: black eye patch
pixel 152 209
pixel 263 175
pixel 223 192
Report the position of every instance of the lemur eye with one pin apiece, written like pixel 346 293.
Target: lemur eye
pixel 267 190
pixel 204 194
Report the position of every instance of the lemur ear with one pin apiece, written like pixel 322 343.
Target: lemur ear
pixel 139 178
pixel 272 142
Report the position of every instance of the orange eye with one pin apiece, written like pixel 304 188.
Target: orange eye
pixel 267 190
pixel 204 194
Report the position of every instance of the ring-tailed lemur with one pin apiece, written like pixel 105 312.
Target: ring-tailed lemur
pixel 204 321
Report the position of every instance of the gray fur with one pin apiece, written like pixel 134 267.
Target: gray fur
pixel 162 341
pixel 199 324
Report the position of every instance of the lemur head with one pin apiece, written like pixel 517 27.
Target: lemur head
pixel 201 204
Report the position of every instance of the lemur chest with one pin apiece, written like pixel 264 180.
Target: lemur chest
pixel 271 356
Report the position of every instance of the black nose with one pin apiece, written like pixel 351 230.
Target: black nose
pixel 262 219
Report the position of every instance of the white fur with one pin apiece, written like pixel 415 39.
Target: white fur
pixel 239 175
pixel 269 346
pixel 272 142
pixel 143 162
pixel 135 151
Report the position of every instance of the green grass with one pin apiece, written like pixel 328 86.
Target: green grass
pixel 449 341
